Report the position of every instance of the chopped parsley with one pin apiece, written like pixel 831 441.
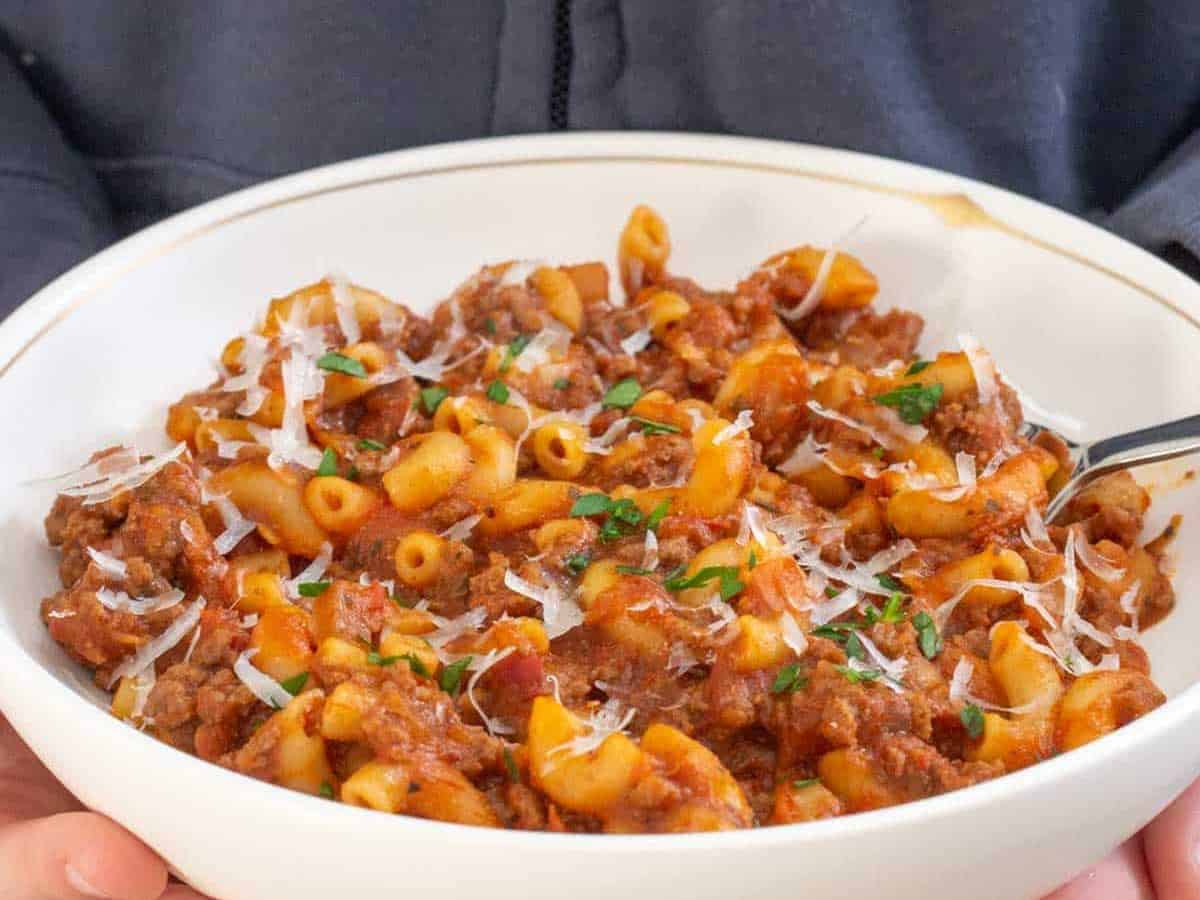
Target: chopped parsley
pixel 854 647
pixel 857 676
pixel 432 397
pixel 489 325
pixel 831 591
pixel 877 453
pixel 891 610
pixel 295 684
pixel 497 391
pixel 890 582
pixel 913 402
pixel 510 763
pixel 836 631
pixel 657 515
pixel 561 384
pixel 313 588
pixel 623 394
pixel 415 663
pixel 752 561
pixel 623 515
pixel 450 678
pixel 352 474
pixel 651 427
pixel 730 584
pixel 789 680
pixel 514 349
pixel 328 465
pixel 577 562
pixel 918 366
pixel 801 783
pixel 375 659
pixel 634 570
pixel 928 638
pixel 368 444
pixel 326 790
pixel 972 718
pixel 590 505
pixel 339 362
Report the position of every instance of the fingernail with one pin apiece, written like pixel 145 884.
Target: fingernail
pixel 76 880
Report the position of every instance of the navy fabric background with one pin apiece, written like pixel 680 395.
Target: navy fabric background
pixel 115 115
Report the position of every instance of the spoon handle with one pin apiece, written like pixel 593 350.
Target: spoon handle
pixel 1124 451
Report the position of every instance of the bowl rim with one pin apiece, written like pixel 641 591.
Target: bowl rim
pixel 1042 225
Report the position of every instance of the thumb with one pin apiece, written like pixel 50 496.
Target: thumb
pixel 77 855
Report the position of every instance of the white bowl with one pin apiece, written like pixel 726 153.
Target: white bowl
pixel 103 350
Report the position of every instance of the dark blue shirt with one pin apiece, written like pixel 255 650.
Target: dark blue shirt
pixel 115 115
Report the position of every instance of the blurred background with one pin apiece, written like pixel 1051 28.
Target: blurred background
pixel 113 116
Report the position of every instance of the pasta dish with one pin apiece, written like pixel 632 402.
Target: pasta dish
pixel 697 560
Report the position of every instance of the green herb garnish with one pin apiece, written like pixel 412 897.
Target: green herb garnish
pixel 590 505
pixel 651 427
pixel 889 582
pixel 657 515
pixel 313 588
pixel 854 647
pixel 561 384
pixel 918 366
pixel 497 391
pixel 295 684
pixel 802 783
pixel 489 325
pixel 831 591
pixel 891 610
pixel 789 680
pixel 326 790
pixel 752 561
pixel 857 676
pixel 510 763
pixel 730 584
pixel 972 718
pixel 375 659
pixel 515 348
pixel 432 397
pixel 913 402
pixel 328 465
pixel 634 570
pixel 450 678
pixel 622 395
pixel 928 638
pixel 577 562
pixel 368 444
pixel 339 362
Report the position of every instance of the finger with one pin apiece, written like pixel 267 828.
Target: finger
pixel 74 856
pixel 1172 844
pixel 1119 876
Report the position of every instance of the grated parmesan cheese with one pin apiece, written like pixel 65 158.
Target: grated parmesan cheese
pixel 149 652
pixel 479 666
pixel 121 471
pixel 793 636
pixel 109 564
pixel 743 422
pixel 1093 560
pixel 261 685
pixel 964 463
pixel 237 526
pixel 599 726
pixel 808 454
pixel 312 572
pixel 119 601
pixel 551 342
pixel 559 614
pixel 635 343
pixel 896 436
pixel 461 530
pixel 650 551
pixel 343 307
pixel 830 608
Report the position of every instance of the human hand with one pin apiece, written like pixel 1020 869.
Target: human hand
pixel 52 849
pixel 1161 863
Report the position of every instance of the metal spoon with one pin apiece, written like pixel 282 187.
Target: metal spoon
pixel 1123 451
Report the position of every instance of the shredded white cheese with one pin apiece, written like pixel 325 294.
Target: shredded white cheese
pixel 964 463
pixel 237 526
pixel 743 422
pixel 150 651
pixel 1093 560
pixel 898 434
pixel 635 343
pixel 109 564
pixel 650 551
pixel 261 685
pixel 312 572
pixel 807 455
pixel 559 614
pixel 97 483
pixel 830 608
pixel 479 666
pixel 793 636
pixel 119 601
pixel 289 442
pixel 461 530
pixel 599 726
pixel 254 356
pixel 551 342
pixel 983 367
pixel 449 630
pixel 343 307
